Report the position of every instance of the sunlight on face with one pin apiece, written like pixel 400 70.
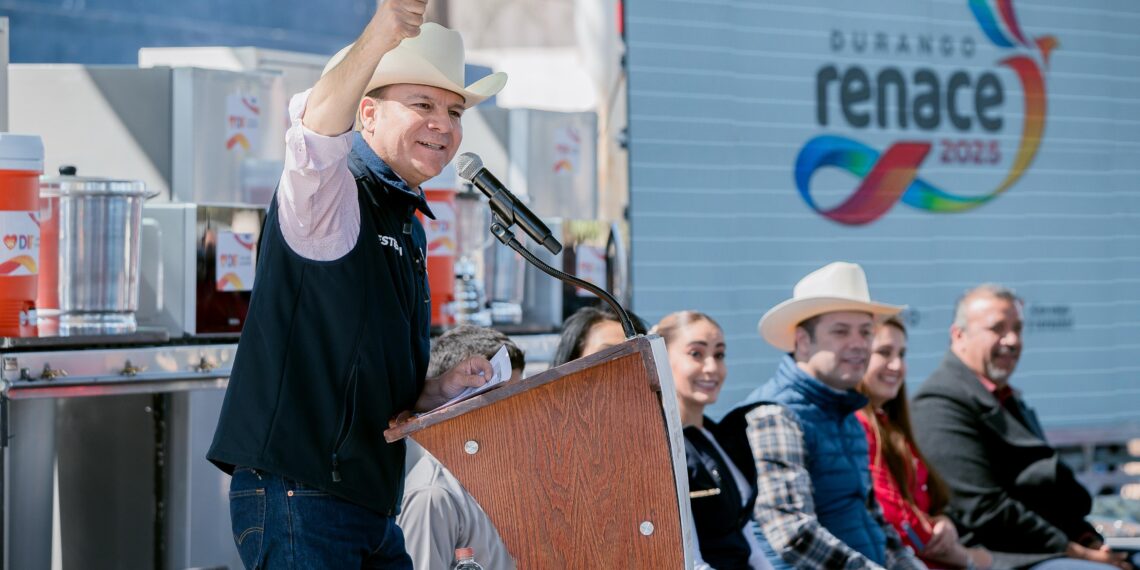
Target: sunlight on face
pixel 838 355
pixel 990 343
pixel 696 357
pixel 416 129
pixel 886 370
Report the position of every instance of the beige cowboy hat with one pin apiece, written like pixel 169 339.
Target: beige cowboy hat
pixel 435 58
pixel 838 286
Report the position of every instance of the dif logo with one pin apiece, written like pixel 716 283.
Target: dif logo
pixel 923 100
pixel 21 242
pixel 231 260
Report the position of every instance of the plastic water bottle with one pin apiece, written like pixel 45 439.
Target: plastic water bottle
pixel 465 559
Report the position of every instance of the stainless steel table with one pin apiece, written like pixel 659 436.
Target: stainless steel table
pixel 111 433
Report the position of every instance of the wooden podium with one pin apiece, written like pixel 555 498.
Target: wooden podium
pixel 580 466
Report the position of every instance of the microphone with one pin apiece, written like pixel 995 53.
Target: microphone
pixel 506 206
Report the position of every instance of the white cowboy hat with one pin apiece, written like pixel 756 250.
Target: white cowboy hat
pixel 435 58
pixel 838 286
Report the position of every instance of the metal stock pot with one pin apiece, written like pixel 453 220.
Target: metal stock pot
pixel 99 224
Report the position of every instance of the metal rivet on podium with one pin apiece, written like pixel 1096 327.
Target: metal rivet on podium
pixel 471 447
pixel 646 528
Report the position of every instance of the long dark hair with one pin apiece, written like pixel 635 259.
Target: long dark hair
pixel 896 440
pixel 577 327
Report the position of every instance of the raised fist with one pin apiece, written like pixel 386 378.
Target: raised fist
pixel 400 19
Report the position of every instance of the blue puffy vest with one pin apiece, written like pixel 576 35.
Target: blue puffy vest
pixel 835 448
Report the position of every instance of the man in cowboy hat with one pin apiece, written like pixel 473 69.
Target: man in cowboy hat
pixel 1010 491
pixel 815 506
pixel 336 342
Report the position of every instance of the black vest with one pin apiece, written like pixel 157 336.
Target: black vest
pixel 719 510
pixel 332 350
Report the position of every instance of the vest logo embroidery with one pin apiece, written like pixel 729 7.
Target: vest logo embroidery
pixel 391 242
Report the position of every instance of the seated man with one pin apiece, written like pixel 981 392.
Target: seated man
pixel 816 506
pixel 1009 490
pixel 437 514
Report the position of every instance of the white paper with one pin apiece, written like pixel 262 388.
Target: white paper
pixel 501 363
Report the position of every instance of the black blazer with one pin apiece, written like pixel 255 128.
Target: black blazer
pixel 1010 491
pixel 719 507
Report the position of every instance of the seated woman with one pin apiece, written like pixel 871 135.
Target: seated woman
pixel 720 495
pixel 589 330
pixel 910 492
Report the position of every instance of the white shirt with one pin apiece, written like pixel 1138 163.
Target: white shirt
pixel 316 200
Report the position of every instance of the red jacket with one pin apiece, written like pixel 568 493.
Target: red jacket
pixel 896 509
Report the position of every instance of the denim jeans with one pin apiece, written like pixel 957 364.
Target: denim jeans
pixel 280 523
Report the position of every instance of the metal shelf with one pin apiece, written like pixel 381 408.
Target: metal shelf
pixel 81 372
pixel 143 335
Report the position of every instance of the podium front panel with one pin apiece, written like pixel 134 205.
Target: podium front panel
pixel 574 466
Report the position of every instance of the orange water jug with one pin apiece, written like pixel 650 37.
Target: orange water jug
pixel 21 163
pixel 442 246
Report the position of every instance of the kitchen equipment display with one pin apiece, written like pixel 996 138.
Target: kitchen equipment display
pixel 198 267
pixel 192 135
pixel 99 231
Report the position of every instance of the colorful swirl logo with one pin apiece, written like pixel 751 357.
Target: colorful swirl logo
pixel 230 282
pixel 25 262
pixel 892 175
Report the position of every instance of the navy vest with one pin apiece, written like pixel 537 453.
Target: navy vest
pixel 835 448
pixel 332 350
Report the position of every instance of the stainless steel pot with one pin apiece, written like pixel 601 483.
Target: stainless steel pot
pixel 99 225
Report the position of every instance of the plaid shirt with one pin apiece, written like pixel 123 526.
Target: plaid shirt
pixel 785 508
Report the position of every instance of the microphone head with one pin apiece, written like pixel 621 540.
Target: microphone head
pixel 468 165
